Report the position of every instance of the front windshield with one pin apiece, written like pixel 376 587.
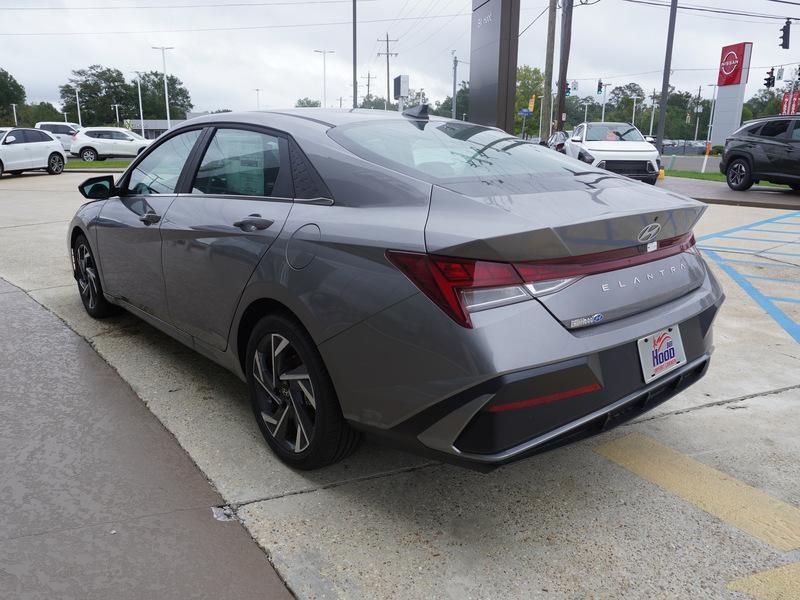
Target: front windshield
pixel 447 150
pixel 612 132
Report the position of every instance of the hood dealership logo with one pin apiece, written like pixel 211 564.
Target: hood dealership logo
pixel 729 63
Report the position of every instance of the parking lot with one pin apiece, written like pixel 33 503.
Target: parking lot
pixel 699 498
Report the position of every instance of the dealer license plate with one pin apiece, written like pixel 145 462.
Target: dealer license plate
pixel 661 353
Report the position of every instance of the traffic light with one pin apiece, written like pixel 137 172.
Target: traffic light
pixel 566 89
pixel 599 86
pixel 769 80
pixel 785 34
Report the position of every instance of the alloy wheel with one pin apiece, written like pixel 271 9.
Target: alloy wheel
pixel 87 276
pixel 56 164
pixel 737 173
pixel 285 393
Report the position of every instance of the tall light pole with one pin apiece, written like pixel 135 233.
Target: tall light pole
pixel 115 106
pixel 14 108
pixel 586 112
pixel 652 113
pixel 355 58
pixel 258 98
pixel 710 127
pixel 141 111
pixel 65 116
pixel 633 114
pixel 164 65
pixel 603 113
pixel 78 104
pixel 324 75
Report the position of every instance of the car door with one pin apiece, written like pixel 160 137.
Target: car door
pixel 791 166
pixel 772 148
pixel 15 151
pixel 102 142
pixel 217 232
pixel 122 144
pixel 128 233
pixel 39 146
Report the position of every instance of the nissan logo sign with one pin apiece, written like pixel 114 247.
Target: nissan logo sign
pixel 649 232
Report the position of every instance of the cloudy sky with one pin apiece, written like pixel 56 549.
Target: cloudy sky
pixel 238 45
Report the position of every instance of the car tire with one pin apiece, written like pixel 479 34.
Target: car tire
pixel 738 175
pixel 88 277
pixel 292 396
pixel 15 173
pixel 88 154
pixel 55 164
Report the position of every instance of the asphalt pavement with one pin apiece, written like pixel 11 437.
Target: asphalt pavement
pixel 699 498
pixel 99 500
pixel 718 192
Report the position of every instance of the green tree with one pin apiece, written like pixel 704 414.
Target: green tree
pixel 11 92
pixel 30 114
pixel 445 108
pixel 153 105
pixel 307 102
pixel 529 83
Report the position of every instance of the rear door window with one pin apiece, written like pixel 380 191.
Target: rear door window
pixel 159 171
pixel 240 162
pixel 776 129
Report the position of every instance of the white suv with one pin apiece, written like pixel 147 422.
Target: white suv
pixel 617 147
pixel 29 150
pixel 63 132
pixel 100 143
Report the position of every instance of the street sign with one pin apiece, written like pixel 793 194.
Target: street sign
pixel 524 112
pixel 531 103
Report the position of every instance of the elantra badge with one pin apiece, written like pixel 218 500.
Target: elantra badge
pixel 649 232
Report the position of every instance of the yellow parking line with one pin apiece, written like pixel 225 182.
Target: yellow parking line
pixel 729 499
pixel 782 583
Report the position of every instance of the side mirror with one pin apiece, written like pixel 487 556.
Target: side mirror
pixel 576 139
pixel 98 188
pixel 650 138
pixel 9 139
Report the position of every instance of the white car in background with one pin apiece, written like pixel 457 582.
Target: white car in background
pixel 24 149
pixel 100 143
pixel 617 147
pixel 63 132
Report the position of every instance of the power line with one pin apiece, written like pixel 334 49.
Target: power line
pixel 534 21
pixel 207 29
pixel 709 9
pixel 171 6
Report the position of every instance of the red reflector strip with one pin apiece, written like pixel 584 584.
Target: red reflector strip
pixel 539 400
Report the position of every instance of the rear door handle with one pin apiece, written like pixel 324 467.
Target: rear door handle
pixel 149 218
pixel 253 222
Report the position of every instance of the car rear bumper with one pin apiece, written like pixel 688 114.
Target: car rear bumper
pixel 429 391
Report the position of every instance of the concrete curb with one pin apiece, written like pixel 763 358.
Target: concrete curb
pixel 97 170
pixel 779 204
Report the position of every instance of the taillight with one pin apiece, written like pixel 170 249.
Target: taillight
pixel 461 286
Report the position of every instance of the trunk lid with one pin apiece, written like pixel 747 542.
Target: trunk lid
pixel 559 217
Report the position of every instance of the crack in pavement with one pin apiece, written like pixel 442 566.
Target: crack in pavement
pixel 715 403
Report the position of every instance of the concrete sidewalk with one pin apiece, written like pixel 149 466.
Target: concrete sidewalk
pixel 718 192
pixel 99 500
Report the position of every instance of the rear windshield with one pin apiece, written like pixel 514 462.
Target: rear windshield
pixel 613 132
pixel 449 150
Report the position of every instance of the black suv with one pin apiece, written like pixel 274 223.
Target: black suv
pixel 767 148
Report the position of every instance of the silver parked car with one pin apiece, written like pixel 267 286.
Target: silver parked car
pixel 439 284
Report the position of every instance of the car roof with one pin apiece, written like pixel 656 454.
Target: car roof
pixel 108 128
pixel 327 117
pixel 770 118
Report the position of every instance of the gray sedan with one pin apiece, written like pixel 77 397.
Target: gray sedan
pixel 441 285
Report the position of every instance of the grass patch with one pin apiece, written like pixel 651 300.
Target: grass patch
pixel 97 164
pixel 711 176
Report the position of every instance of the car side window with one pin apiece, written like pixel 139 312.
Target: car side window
pixel 774 129
pixel 240 162
pixel 118 135
pixel 159 171
pixel 39 136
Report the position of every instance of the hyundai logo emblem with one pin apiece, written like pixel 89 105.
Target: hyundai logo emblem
pixel 649 232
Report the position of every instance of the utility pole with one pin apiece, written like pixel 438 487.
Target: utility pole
pixel 455 91
pixel 603 113
pixel 662 109
pixel 78 103
pixel 258 98
pixel 341 99
pixel 652 112
pixel 633 115
pixel 586 113
pixel 14 109
pixel 324 76
pixel 164 66
pixel 369 77
pixel 547 98
pixel 387 54
pixel 65 116
pixel 139 88
pixel 116 106
pixel 697 112
pixel 566 39
pixel 710 127
pixel 355 58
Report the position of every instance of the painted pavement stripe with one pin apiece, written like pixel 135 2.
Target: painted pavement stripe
pixel 779 299
pixel 764 240
pixel 774 265
pixel 743 506
pixel 749 225
pixel 782 583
